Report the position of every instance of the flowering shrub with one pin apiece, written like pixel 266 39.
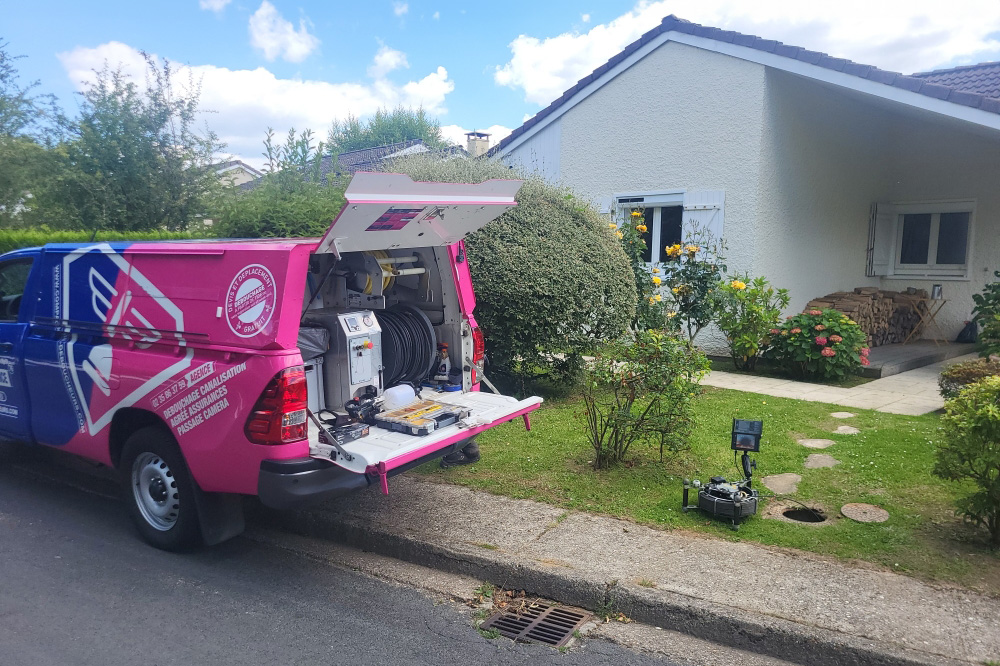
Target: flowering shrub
pixel 971 450
pixel 691 274
pixel 650 310
pixel 987 314
pixel 818 343
pixel 956 377
pixel 641 390
pixel 747 311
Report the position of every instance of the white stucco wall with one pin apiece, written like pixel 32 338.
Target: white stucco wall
pixel 824 163
pixel 540 152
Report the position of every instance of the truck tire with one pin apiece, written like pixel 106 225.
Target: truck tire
pixel 159 490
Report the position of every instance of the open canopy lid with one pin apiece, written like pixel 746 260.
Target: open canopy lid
pixel 389 210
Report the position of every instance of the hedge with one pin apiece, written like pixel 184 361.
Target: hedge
pixel 13 239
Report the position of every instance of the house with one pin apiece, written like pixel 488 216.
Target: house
pixel 822 174
pixel 235 172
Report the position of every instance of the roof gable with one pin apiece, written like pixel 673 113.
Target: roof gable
pixel 814 64
pixel 983 79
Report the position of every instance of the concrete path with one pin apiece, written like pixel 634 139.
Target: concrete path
pixel 912 392
pixel 791 606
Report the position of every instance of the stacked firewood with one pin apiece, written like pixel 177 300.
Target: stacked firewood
pixel 886 316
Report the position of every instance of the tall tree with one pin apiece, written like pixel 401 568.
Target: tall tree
pixel 383 128
pixel 137 159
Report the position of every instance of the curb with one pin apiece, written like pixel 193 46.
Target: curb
pixel 729 626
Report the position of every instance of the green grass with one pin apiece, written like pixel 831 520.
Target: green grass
pixel 765 369
pixel 889 464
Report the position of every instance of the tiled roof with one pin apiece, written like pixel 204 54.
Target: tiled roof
pixel 983 79
pixel 914 83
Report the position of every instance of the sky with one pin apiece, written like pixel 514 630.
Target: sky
pixel 485 66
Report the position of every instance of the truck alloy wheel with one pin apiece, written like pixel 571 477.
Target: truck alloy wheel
pixel 159 490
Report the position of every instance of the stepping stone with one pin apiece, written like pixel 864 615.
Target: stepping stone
pixel 842 415
pixel 818 460
pixel 782 484
pixel 816 443
pixel 846 430
pixel 865 513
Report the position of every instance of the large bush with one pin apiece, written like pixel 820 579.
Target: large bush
pixel 956 377
pixel 746 312
pixel 640 391
pixel 551 279
pixel 824 344
pixel 971 451
pixel 987 314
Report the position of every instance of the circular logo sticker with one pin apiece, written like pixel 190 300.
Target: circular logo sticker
pixel 250 301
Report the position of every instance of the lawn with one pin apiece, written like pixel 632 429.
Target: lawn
pixel 888 464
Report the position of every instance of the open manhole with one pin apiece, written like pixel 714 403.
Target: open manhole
pixel 801 514
pixel 544 623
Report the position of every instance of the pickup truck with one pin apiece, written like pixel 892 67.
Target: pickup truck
pixel 207 371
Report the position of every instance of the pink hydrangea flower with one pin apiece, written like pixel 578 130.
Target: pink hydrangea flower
pixel 774 331
pixel 865 361
pixel 814 312
pixel 864 351
pixel 828 351
pixel 820 327
pixel 795 330
pixel 821 341
pixel 836 338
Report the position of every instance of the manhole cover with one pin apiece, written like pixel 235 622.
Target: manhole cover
pixel 865 513
pixel 552 625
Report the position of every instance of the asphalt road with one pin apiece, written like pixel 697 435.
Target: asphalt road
pixel 78 587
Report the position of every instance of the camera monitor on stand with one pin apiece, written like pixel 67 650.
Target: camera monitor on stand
pixel 746 435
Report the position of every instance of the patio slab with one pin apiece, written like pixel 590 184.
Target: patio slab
pixel 894 359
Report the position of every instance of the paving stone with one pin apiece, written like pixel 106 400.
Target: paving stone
pixel 818 460
pixel 846 430
pixel 843 415
pixel 782 484
pixel 865 513
pixel 817 443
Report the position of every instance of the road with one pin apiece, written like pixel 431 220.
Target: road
pixel 78 587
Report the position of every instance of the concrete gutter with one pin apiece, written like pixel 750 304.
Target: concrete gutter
pixel 790 606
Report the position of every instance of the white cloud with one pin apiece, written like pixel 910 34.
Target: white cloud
pixel 400 8
pixel 275 36
pixel 907 36
pixel 436 16
pixel 585 18
pixel 214 5
pixel 456 134
pixel 385 61
pixel 244 103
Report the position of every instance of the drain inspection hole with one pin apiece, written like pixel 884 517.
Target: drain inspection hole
pixel 804 515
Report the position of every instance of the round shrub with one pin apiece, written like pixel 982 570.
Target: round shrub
pixel 971 451
pixel 823 344
pixel 551 278
pixel 956 377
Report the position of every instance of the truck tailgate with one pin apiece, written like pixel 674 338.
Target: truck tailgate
pixel 395 449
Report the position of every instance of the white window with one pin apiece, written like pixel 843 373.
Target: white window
pixel 668 213
pixel 932 239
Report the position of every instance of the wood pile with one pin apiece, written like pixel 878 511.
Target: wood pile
pixel 886 316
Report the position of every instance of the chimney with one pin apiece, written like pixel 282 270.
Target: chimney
pixel 477 143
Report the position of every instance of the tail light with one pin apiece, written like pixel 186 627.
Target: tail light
pixel 478 351
pixel 279 417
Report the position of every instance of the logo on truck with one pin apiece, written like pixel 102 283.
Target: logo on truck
pixel 101 287
pixel 250 301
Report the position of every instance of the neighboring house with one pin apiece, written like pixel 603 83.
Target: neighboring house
pixel 235 172
pixel 822 174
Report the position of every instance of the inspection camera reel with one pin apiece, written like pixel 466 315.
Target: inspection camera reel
pixel 738 499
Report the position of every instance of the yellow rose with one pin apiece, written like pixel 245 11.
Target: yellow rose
pixel 657 298
pixel 656 280
pixel 620 235
pixel 692 248
pixel 740 286
pixel 636 213
pixel 641 228
pixel 675 290
pixel 656 270
pixel 671 315
pixel 612 225
pixel 651 300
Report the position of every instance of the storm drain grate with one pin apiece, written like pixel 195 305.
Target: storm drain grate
pixel 552 625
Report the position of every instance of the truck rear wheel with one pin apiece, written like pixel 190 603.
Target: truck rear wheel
pixel 159 490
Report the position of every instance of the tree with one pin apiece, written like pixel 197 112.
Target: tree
pixel 136 159
pixel 29 124
pixel 385 127
pixel 292 199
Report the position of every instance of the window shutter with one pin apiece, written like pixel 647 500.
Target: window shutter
pixel 881 234
pixel 706 209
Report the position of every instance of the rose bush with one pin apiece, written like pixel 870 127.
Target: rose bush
pixel 823 344
pixel 746 312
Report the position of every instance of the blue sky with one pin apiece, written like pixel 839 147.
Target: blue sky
pixel 485 65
